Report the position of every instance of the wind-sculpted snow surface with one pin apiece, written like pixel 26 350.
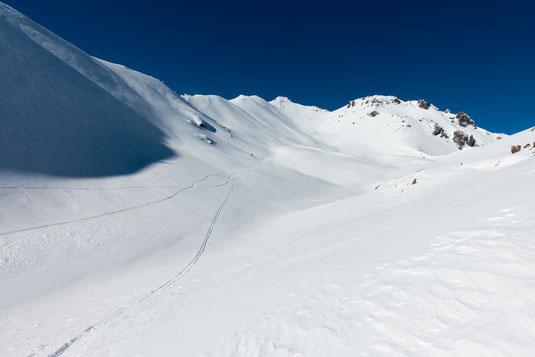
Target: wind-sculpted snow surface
pixel 192 225
pixel 445 301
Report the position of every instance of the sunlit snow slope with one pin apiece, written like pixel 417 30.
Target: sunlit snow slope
pixel 138 222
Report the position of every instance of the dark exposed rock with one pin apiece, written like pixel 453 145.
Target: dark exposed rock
pixel 471 141
pixel 376 101
pixel 438 130
pixel 414 182
pixel 515 149
pixel 374 113
pixel 461 139
pixel 423 104
pixel 527 145
pixel 464 120
pixel 397 101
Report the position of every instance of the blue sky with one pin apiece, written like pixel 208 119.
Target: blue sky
pixel 477 57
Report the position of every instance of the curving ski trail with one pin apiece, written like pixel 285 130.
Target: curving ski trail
pixel 55 224
pixel 169 282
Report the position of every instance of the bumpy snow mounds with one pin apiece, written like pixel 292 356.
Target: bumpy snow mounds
pixel 440 301
pixel 135 221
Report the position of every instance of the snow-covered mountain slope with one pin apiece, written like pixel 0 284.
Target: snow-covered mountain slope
pixel 43 71
pixel 56 119
pixel 248 227
pixel 379 124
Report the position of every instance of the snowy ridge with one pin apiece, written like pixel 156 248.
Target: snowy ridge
pixel 72 56
pixel 136 221
pixel 6 10
pixel 397 124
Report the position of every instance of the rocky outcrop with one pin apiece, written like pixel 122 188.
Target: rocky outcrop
pixel 423 104
pixel 438 130
pixel 461 139
pixel 375 101
pixel 464 120
pixel 471 141
pixel 378 100
pixel 374 113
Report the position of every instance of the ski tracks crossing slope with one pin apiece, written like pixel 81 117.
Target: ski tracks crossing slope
pixel 179 275
pixel 122 210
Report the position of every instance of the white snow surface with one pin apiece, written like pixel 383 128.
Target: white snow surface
pixel 157 224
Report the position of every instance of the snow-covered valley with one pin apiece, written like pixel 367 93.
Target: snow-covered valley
pixel 138 222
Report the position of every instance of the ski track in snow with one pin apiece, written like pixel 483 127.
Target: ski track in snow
pixel 183 272
pixel 81 188
pixel 176 193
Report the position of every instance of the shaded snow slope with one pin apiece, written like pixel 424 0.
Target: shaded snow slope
pixel 55 121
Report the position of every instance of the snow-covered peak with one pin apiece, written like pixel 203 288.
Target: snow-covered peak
pixel 375 100
pixel 286 103
pixel 387 100
pixel 253 98
pixel 281 99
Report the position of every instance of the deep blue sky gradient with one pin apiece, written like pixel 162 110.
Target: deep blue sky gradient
pixel 477 57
